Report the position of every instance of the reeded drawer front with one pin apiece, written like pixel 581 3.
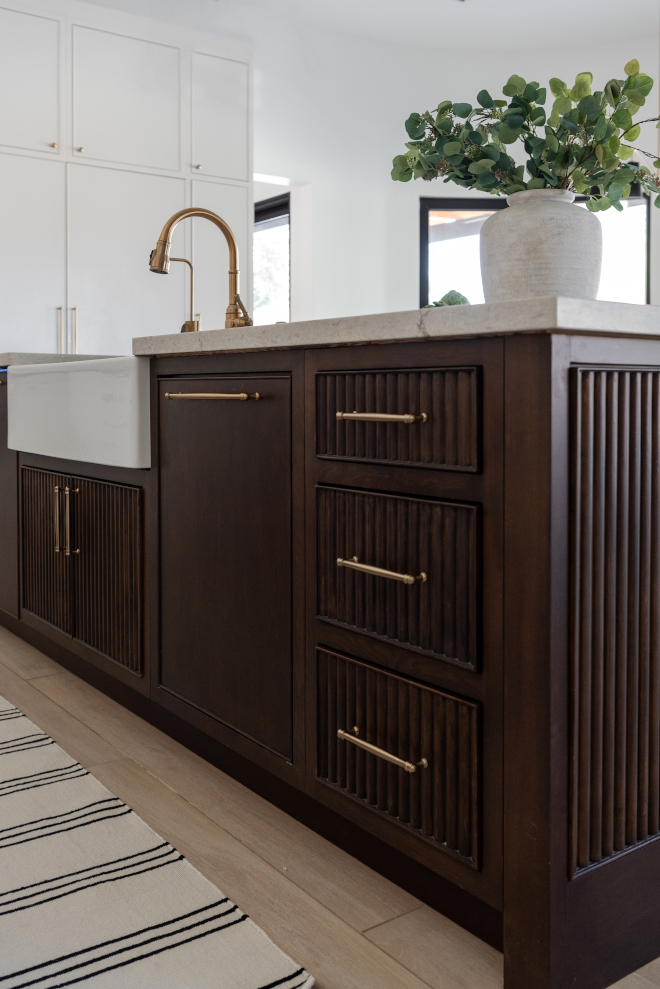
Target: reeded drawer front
pixel 447 397
pixel 439 801
pixel 411 537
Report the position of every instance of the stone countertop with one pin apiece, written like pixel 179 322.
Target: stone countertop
pixel 549 314
pixel 7 359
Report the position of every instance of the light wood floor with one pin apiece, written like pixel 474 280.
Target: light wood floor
pixel 347 925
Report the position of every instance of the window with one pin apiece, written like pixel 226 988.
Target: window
pixel 271 261
pixel 449 254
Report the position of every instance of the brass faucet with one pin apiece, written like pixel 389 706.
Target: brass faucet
pixel 159 260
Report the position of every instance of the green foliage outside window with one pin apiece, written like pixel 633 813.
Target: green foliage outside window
pixel 584 144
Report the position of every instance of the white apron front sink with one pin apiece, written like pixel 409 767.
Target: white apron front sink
pixel 96 411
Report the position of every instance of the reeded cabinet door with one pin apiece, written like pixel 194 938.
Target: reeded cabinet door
pixel 46 574
pixel 225 545
pixel 107 532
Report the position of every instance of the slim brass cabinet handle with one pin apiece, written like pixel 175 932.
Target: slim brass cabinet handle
pixel 56 505
pixel 67 521
pixel 410 767
pixel 408 418
pixel 240 397
pixel 405 578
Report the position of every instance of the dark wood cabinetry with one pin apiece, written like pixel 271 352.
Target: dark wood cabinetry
pixel 82 561
pixel 8 513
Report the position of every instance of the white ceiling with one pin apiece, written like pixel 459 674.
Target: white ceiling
pixel 461 24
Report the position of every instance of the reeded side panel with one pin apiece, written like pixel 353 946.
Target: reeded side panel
pixel 409 536
pixel 107 529
pixel 441 802
pixel 46 576
pixel 615 595
pixel 449 439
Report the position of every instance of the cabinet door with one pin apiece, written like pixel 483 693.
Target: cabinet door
pixel 125 99
pixel 107 528
pixel 115 218
pixel 225 490
pixel 29 81
pixel 46 573
pixel 32 253
pixel 8 513
pixel 210 255
pixel 220 108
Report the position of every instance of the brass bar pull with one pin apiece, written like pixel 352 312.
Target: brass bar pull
pixel 67 521
pixel 240 397
pixel 56 505
pixel 410 767
pixel 408 418
pixel 405 578
pixel 60 328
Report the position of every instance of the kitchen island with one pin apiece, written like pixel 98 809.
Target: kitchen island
pixel 400 574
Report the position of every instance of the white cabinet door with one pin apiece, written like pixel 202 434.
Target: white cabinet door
pixel 210 254
pixel 125 99
pixel 220 111
pixel 29 80
pixel 32 252
pixel 115 218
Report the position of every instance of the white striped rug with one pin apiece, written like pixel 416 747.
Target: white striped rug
pixel 89 893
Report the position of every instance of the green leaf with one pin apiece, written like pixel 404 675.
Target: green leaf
pixel 618 207
pixel 541 96
pixel 536 184
pixel 635 99
pixel 614 190
pixel 415 126
pixel 499 102
pixel 562 105
pixel 538 116
pixel 613 92
pixel 462 109
pixel 486 180
pixel 483 165
pixel 604 203
pixel 518 187
pixel 515 86
pixel 631 68
pixel 633 133
pixel 614 143
pixel 492 152
pixel 580 90
pixel 553 119
pixel 455 159
pixel 551 139
pixel 452 148
pixel 475 137
pixel 593 205
pixel 557 87
pixel 656 164
pixel 642 84
pixel 583 77
pixel 590 106
pixel 600 130
pixel 514 121
pixel 529 92
pixel 506 135
pixel 622 118
pixel 625 152
pixel 485 99
pixel 656 201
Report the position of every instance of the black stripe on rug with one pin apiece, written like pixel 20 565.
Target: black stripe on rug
pixel 5 791
pixel 117 812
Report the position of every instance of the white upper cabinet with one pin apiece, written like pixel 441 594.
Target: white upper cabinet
pixel 29 81
pixel 32 253
pixel 115 218
pixel 125 99
pixel 210 253
pixel 220 114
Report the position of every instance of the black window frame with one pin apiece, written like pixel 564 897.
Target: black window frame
pixel 428 203
pixel 270 209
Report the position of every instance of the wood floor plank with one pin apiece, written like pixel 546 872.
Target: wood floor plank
pixel 350 889
pixel 24 659
pixel 78 740
pixel 337 955
pixel 651 972
pixel 440 952
pixel 635 981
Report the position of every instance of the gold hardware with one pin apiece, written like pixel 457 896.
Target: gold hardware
pixel 408 418
pixel 410 767
pixel 240 396
pixel 159 260
pixel 80 149
pixel 67 522
pixel 198 167
pixel 405 578
pixel 56 504
pixel 60 310
pixel 54 144
pixel 191 325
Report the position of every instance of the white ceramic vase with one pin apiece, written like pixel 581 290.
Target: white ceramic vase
pixel 543 244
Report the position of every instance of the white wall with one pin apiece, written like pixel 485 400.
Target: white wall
pixel 329 113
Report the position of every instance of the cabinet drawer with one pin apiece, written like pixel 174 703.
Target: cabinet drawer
pixel 407 536
pixel 440 802
pixel 448 397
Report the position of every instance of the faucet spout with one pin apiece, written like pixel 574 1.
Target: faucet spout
pixel 159 260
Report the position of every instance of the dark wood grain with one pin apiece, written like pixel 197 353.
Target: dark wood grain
pixel 47 572
pixel 9 580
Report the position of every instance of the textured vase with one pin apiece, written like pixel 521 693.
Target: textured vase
pixel 543 244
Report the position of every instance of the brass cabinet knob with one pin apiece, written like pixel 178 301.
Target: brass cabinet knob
pixel 198 167
pixel 54 144
pixel 80 149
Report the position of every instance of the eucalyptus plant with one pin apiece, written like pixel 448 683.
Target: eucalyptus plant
pixel 585 144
